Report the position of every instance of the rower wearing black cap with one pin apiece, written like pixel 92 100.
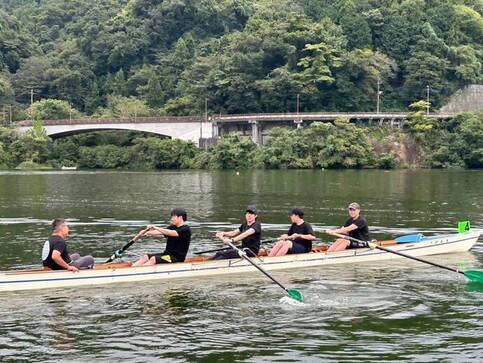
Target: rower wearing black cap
pixel 177 243
pixel 355 227
pixel 249 233
pixel 298 239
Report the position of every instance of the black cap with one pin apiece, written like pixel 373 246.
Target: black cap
pixel 179 212
pixel 252 209
pixel 298 212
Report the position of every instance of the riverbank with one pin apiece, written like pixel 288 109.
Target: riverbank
pixel 422 143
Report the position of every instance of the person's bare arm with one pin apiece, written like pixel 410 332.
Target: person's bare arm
pixel 241 236
pixel 60 261
pixel 343 230
pixel 308 237
pixel 229 234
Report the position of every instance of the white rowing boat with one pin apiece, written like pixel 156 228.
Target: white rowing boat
pixel 198 266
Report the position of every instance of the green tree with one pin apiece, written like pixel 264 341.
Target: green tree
pixel 52 109
pixel 231 152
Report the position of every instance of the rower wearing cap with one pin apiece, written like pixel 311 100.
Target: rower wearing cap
pixel 298 239
pixel 177 243
pixel 249 234
pixel 355 227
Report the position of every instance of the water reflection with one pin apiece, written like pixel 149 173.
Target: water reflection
pixel 400 311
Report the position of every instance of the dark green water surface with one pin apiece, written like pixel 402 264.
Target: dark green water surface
pixel 393 311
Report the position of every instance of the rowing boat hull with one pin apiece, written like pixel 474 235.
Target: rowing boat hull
pixel 118 273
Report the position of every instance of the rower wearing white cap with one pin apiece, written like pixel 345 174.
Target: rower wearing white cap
pixel 356 227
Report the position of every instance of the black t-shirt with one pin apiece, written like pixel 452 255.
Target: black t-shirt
pixel 58 244
pixel 304 228
pixel 177 247
pixel 362 231
pixel 253 241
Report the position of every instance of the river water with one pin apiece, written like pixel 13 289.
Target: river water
pixel 395 311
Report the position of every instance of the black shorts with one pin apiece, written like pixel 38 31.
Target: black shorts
pixel 297 248
pixel 162 258
pixel 355 244
pixel 231 253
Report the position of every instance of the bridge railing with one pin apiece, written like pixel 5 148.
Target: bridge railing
pixel 320 116
pixel 121 120
pixel 309 116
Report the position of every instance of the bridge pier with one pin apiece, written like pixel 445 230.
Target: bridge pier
pixel 215 129
pixel 256 132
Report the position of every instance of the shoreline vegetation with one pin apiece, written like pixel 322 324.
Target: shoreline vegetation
pixel 117 58
pixel 421 143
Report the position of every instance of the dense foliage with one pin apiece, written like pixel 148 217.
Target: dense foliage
pixel 168 57
pixel 121 58
pixel 423 143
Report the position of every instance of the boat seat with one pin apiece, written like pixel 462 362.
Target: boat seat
pixel 319 249
pixel 195 259
pixel 262 252
pixel 110 266
pixel 387 243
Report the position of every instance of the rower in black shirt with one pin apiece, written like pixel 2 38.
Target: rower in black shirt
pixel 177 243
pixel 249 233
pixel 298 239
pixel 355 227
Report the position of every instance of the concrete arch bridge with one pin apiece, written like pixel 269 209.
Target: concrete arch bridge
pixel 183 128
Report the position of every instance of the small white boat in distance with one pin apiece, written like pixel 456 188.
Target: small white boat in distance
pixel 195 267
pixel 68 168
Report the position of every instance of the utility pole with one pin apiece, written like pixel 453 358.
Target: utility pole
pixel 298 103
pixel 32 103
pixel 427 100
pixel 378 94
pixel 10 119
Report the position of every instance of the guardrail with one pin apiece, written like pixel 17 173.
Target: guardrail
pixel 122 120
pixel 312 116
pixel 308 116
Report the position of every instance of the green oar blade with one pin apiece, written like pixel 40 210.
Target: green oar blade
pixel 474 275
pixel 295 294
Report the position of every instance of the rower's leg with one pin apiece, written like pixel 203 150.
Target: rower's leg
pixel 74 256
pixel 339 245
pixel 141 261
pixel 150 262
pixel 282 249
pixel 275 248
pixel 83 262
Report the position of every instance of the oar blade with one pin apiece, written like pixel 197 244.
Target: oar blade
pixel 295 294
pixel 474 275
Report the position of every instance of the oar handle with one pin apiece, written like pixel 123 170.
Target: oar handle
pixel 396 252
pixel 268 240
pixel 213 250
pixel 119 252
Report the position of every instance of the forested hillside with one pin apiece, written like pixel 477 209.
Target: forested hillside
pixel 168 57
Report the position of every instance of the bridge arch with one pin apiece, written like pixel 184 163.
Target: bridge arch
pixel 57 134
pixel 183 129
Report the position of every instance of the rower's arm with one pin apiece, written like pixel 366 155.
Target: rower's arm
pixel 229 234
pixel 164 232
pixel 242 236
pixel 344 230
pixel 60 261
pixel 153 233
pixel 308 237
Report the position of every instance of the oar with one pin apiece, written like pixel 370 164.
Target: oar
pixel 119 253
pixel 268 240
pixel 473 275
pixel 294 294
